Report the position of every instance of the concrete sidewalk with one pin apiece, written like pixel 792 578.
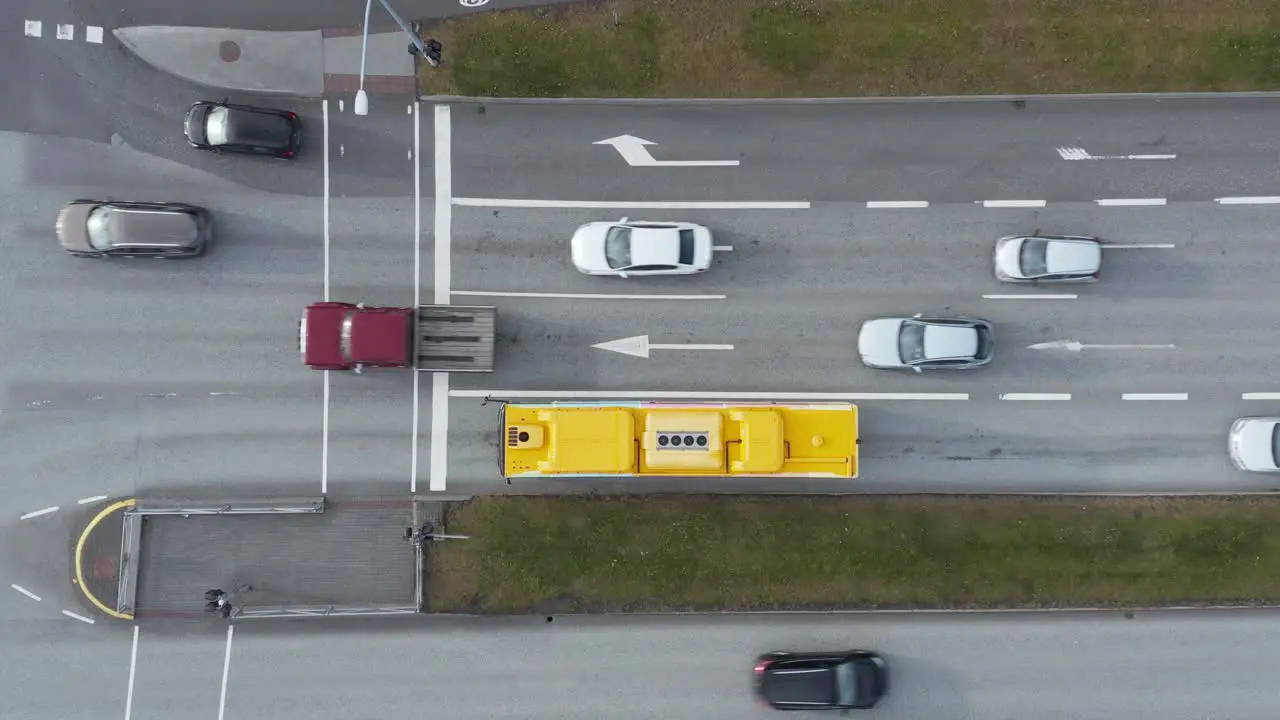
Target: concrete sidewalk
pixel 304 64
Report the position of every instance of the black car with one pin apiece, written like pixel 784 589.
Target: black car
pixel 113 228
pixel 223 127
pixel 843 680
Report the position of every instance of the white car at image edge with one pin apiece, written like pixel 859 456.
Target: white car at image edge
pixel 1255 444
pixel 625 248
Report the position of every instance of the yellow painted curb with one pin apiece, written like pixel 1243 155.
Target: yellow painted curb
pixel 80 552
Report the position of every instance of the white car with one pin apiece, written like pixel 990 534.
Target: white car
pixel 1255 444
pixel 625 248
pixel 1048 258
pixel 921 343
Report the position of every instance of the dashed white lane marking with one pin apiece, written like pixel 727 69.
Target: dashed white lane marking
pixel 66 32
pixel 1260 396
pixel 1263 200
pixel 25 591
pixel 1029 296
pixel 697 395
pixel 1121 202
pixel 81 618
pixel 1138 246
pixel 582 296
pixel 38 513
pixel 93 34
pixel 722 248
pixel 133 670
pixel 33 28
pixel 896 204
pixel 94 499
pixel 1153 396
pixel 1014 203
pixel 226 670
pixel 1035 396
pixel 628 204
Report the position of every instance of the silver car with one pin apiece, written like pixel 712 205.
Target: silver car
pixel 1255 444
pixel 921 343
pixel 1048 258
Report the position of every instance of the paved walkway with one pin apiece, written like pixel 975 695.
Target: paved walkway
pixel 305 64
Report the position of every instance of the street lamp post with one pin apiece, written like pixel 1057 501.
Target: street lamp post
pixel 362 99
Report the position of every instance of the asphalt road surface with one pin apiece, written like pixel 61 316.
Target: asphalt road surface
pixel 1186 665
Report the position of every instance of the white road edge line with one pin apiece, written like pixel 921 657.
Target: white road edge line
pixel 1262 200
pixel 1153 396
pixel 443 292
pixel 94 499
pixel 38 513
pixel 1261 396
pixel 1137 246
pixel 324 440
pixel 896 204
pixel 1014 203
pixel 722 248
pixel 226 670
pixel 697 395
pixel 81 618
pixel 1035 396
pixel 133 669
pixel 583 296
pixel 1030 297
pixel 25 591
pixel 640 205
pixel 1117 202
pixel 417 287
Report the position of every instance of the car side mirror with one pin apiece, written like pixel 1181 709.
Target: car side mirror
pixel 623 275
pixel 918 315
pixel 916 369
pixel 622 220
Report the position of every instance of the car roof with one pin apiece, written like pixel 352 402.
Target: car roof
pixel 151 227
pixel 944 341
pixel 655 246
pixel 1071 255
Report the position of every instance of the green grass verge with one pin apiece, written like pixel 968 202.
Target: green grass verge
pixel 824 48
pixel 562 554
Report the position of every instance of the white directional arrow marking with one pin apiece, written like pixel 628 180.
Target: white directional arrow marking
pixel 633 150
pixel 1073 346
pixel 1079 153
pixel 639 346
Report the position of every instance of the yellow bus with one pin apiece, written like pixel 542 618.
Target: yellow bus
pixel 653 439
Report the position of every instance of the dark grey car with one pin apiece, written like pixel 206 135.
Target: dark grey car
pixel 110 228
pixel 842 680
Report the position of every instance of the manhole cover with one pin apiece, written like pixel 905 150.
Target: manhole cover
pixel 229 51
pixel 104 568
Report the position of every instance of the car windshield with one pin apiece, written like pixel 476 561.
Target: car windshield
pixel 911 342
pixel 98 228
pixel 1033 259
pixel 217 126
pixel 846 685
pixel 617 247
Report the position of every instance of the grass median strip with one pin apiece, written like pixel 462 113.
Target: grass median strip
pixel 695 552
pixel 833 48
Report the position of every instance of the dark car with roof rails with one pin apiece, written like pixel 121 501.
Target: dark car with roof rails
pixel 115 228
pixel 226 127
pixel 840 680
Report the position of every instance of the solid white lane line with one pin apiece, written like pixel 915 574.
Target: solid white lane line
pixel 641 205
pixel 1029 297
pixel 324 105
pixel 1260 396
pixel 1262 200
pixel 25 591
pixel 226 670
pixel 722 248
pixel 81 618
pixel 38 513
pixel 414 429
pixel 697 395
pixel 1118 202
pixel 1138 246
pixel 439 430
pixel 94 499
pixel 1153 396
pixel 1013 203
pixel 1035 396
pixel 896 204
pixel 133 668
pixel 583 296
pixel 417 286
pixel 324 439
